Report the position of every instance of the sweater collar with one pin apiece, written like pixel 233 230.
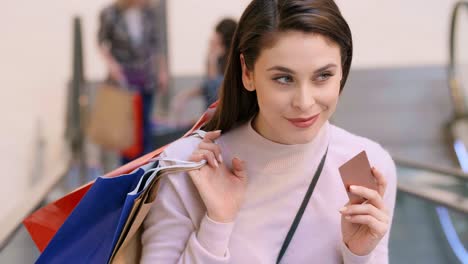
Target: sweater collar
pixel 246 142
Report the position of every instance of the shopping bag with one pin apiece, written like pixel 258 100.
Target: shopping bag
pixel 127 248
pixel 80 227
pixel 103 223
pixel 44 222
pixel 136 148
pixel 112 118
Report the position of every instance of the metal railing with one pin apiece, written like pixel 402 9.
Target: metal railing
pixel 456 89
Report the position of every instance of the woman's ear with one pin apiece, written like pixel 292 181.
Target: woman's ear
pixel 247 75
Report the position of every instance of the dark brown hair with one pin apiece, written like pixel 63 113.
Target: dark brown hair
pixel 259 24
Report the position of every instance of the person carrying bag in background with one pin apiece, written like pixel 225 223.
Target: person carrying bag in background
pixel 128 41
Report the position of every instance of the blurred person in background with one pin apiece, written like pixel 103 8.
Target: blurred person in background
pixel 128 41
pixel 218 50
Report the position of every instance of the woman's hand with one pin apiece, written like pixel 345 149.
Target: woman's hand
pixel 221 189
pixel 364 225
pixel 116 72
pixel 163 81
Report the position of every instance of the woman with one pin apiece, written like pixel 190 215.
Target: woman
pixel 128 42
pixel 220 43
pixel 268 137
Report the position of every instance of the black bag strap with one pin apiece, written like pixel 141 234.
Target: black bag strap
pixel 301 211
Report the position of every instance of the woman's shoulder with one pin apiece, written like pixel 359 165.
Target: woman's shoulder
pixel 345 145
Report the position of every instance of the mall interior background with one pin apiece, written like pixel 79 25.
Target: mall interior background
pixel 401 52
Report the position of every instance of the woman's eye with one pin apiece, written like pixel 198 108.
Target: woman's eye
pixel 324 76
pixel 284 79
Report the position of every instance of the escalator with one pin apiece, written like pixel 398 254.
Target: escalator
pixel 430 223
pixel 454 227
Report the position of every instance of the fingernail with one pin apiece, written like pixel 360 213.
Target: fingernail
pixel 347 217
pixel 220 158
pixel 352 187
pixel 343 209
pixel 218 131
pixel 216 163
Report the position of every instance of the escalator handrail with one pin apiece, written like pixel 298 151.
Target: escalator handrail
pixel 454 85
pixel 459 174
pixel 432 195
pixel 451 200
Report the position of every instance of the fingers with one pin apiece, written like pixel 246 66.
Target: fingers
pixel 208 150
pixel 203 154
pixel 378 228
pixel 214 148
pixel 211 136
pixel 372 196
pixel 238 168
pixel 371 213
pixel 365 209
pixel 381 181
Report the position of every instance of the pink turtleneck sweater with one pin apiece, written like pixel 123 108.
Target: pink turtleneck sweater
pixel 177 229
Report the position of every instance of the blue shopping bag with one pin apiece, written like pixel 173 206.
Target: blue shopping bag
pixel 91 231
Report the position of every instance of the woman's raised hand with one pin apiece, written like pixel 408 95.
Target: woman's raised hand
pixel 221 188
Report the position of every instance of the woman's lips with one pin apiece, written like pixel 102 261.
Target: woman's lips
pixel 304 122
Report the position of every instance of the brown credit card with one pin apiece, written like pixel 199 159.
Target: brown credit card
pixel 357 171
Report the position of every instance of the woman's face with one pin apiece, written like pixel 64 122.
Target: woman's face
pixel 297 82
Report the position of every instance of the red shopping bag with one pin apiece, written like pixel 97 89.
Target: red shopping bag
pixel 44 223
pixel 136 149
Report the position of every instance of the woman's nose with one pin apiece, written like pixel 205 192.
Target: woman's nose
pixel 303 98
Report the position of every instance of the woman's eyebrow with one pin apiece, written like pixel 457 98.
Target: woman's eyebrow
pixel 287 70
pixel 281 68
pixel 326 67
